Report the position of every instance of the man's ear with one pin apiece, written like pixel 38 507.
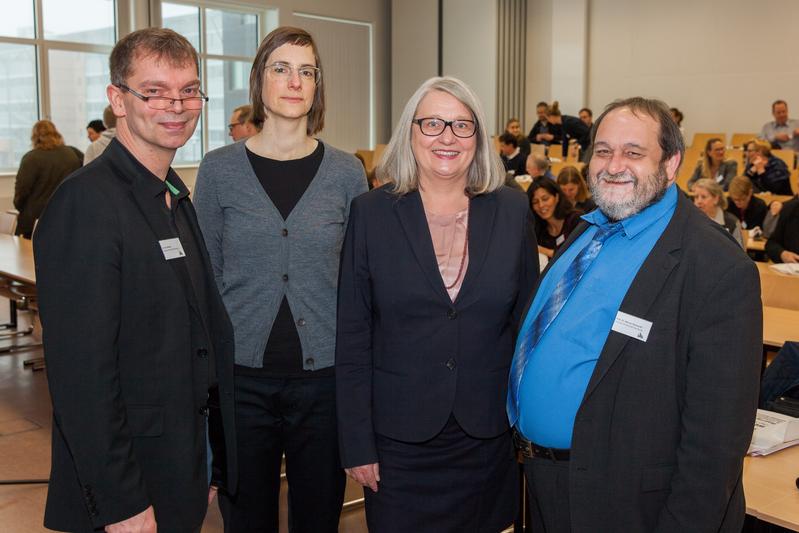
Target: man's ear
pixel 672 164
pixel 116 100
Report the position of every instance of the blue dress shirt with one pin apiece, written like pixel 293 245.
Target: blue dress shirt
pixel 557 372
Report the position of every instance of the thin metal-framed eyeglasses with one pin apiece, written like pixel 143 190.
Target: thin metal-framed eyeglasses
pixel 162 103
pixel 432 126
pixel 284 71
pixel 233 125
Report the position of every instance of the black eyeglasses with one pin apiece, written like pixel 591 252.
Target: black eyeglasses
pixel 162 103
pixel 432 127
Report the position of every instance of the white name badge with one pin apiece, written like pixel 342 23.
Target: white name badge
pixel 172 248
pixel 560 240
pixel 632 326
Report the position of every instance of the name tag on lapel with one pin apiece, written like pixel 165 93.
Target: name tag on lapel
pixel 632 326
pixel 560 240
pixel 172 248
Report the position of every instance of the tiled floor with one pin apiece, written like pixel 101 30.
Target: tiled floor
pixel 25 449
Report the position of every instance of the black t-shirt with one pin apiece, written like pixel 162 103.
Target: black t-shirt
pixel 284 182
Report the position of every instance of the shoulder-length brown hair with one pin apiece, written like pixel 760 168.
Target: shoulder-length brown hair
pixel 45 136
pixel 276 39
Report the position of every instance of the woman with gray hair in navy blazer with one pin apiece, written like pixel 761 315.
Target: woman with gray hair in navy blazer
pixel 436 268
pixel 273 210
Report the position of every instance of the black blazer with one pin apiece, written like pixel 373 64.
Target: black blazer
pixel 660 436
pixel 406 355
pixel 125 371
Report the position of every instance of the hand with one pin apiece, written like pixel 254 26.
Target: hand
pixel 144 522
pixel 796 132
pixel 758 164
pixel 539 137
pixel 782 137
pixel 549 252
pixel 212 494
pixel 775 208
pixel 547 136
pixel 366 475
pixel 789 257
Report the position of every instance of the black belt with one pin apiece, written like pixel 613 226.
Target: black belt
pixel 530 449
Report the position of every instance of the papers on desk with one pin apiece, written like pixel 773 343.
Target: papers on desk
pixel 791 269
pixel 773 432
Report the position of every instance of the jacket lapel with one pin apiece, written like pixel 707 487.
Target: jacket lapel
pixel 482 210
pixel 645 288
pixel 410 212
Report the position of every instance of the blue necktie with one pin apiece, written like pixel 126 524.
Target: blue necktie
pixel 550 310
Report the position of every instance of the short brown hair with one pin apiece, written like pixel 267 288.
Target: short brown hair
pixel 162 43
pixel 109 118
pixel 276 39
pixel 570 174
pixel 45 136
pixel 669 137
pixel 740 187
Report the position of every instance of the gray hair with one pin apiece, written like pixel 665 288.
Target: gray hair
pixel 398 164
pixel 711 186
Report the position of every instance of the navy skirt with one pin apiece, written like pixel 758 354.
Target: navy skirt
pixel 451 483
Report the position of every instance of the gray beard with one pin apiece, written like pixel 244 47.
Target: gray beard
pixel 645 193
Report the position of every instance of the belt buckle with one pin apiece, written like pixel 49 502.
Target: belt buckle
pixel 550 453
pixel 524 446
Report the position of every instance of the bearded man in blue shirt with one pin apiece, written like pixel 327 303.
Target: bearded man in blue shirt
pixel 634 384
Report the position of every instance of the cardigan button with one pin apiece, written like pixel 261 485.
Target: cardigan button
pixel 285 277
pixel 301 322
pixel 451 364
pixel 452 314
pixel 285 232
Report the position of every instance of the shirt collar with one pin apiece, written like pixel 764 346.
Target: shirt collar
pixel 638 222
pixel 143 177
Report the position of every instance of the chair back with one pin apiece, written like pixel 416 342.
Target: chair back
pixel 8 223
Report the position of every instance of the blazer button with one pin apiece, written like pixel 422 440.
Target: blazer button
pixel 202 353
pixel 309 361
pixel 203 410
pixel 285 277
pixel 301 322
pixel 285 232
pixel 451 364
pixel 452 314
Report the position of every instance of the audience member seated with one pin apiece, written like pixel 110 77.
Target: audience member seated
pixel 94 129
pixel 512 157
pixel 571 128
pixel 514 127
pixel 537 166
pixel 768 173
pixel 241 123
pixel 783 245
pixel 709 197
pixel 571 182
pixel 554 216
pixel 587 116
pixel 678 117
pixel 751 210
pixel 40 172
pixel 98 146
pixel 782 132
pixel 543 132
pixel 714 166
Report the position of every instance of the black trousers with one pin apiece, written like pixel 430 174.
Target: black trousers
pixel 548 495
pixel 453 483
pixel 296 417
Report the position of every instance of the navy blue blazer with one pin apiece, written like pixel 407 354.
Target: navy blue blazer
pixel 407 357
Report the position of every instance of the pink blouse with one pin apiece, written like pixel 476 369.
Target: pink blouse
pixel 449 233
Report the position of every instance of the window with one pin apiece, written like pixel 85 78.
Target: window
pixel 227 39
pixel 53 64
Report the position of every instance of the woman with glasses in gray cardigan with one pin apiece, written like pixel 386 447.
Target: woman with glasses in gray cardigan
pixel 273 210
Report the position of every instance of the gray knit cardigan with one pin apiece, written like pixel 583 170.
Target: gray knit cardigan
pixel 258 257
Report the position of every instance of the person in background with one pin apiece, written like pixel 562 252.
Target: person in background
pixel 542 131
pixel 571 183
pixel 678 117
pixel 510 153
pixel 96 148
pixel 709 198
pixel 782 132
pixel 241 124
pixel 538 166
pixel 587 116
pixel 714 166
pixel 767 172
pixel 139 346
pixel 634 385
pixel 783 244
pixel 555 218
pixel 273 209
pixel 436 267
pixel 94 129
pixel 572 128
pixel 40 172
pixel 751 210
pixel 514 127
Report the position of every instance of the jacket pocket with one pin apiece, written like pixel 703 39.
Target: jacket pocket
pixel 656 478
pixel 146 420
